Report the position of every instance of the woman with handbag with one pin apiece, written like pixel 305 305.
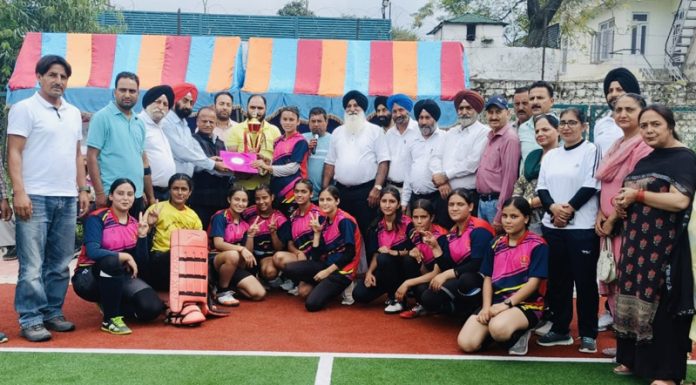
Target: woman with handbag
pixel 618 162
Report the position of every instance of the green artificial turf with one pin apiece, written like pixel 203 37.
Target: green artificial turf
pixel 350 371
pixel 123 369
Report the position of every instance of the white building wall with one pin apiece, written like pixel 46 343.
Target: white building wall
pixel 515 63
pixel 457 32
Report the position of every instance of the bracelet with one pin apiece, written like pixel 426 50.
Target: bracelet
pixel 640 196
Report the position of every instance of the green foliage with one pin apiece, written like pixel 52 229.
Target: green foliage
pixel 401 33
pixel 295 8
pixel 17 17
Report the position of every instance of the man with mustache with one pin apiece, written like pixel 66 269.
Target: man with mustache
pixel 540 102
pixel 617 83
pixel 48 179
pixel 521 103
pixel 498 169
pixel 382 116
pixel 116 145
pixel 254 135
pixel 188 154
pixel 419 179
pixel 319 141
pixel 156 104
pixel 398 137
pixel 223 103
pixel 455 163
pixel 358 159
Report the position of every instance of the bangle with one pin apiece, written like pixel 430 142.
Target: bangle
pixel 99 193
pixel 640 196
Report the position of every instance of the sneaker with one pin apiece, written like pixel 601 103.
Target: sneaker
pixel 116 326
pixel 226 298
pixel 543 328
pixel 347 296
pixel 553 339
pixel 3 338
pixel 10 253
pixel 604 322
pixel 59 324
pixel 588 345
pixel 414 312
pixel 287 285
pixel 275 282
pixel 294 291
pixel 609 352
pixel 35 333
pixel 522 345
pixel 394 307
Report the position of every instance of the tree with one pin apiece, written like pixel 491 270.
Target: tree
pixel 401 33
pixel 296 8
pixel 17 17
pixel 527 18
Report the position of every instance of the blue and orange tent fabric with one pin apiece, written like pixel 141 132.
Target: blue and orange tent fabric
pixel 318 72
pixel 212 63
pixel 301 72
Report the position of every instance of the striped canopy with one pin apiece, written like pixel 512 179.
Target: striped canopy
pixel 212 63
pixel 432 69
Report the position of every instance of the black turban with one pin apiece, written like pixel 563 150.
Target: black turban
pixel 155 92
pixel 358 97
pixel 380 100
pixel 627 80
pixel 428 105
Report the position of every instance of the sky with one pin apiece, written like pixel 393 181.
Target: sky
pixel 400 9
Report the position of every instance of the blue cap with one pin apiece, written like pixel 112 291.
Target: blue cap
pixel 498 101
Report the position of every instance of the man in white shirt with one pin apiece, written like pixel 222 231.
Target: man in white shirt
pixel 382 116
pixel 617 83
pixel 48 179
pixel 456 161
pixel 188 154
pixel 540 102
pixel 520 102
pixel 222 103
pixel 419 179
pixel 398 137
pixel 156 104
pixel 358 160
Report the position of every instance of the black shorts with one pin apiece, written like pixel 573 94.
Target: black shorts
pixel 237 277
pixel 530 314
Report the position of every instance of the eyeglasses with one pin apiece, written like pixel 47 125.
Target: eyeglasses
pixel 569 123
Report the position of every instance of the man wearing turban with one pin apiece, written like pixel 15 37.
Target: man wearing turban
pixel 455 163
pixel 358 160
pixel 156 104
pixel 382 116
pixel 399 136
pixel 617 83
pixel 116 145
pixel 540 102
pixel 187 152
pixel 254 135
pixel 419 179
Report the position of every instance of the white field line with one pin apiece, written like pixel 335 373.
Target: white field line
pixel 324 369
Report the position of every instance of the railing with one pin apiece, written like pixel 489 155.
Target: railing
pixel 673 39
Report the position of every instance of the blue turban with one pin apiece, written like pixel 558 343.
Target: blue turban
pixel 400 99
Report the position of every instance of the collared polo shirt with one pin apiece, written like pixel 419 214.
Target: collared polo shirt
pixel 49 166
pixel 121 143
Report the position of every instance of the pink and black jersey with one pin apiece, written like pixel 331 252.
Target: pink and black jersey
pixel 300 231
pixel 395 239
pixel 293 149
pixel 223 225
pixel 105 236
pixel 340 243
pixel 440 235
pixel 510 267
pixel 464 252
pixel 263 246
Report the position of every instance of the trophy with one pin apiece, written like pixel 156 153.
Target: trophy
pixel 254 123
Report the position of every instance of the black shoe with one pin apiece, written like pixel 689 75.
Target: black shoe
pixel 59 324
pixel 36 333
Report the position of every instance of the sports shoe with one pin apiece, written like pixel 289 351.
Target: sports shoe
pixel 275 282
pixel 543 328
pixel 394 307
pixel 553 339
pixel 604 322
pixel 347 295
pixel 35 333
pixel 414 312
pixel 10 253
pixel 588 345
pixel 287 285
pixel 226 298
pixel 116 326
pixel 522 345
pixel 59 324
pixel 609 352
pixel 3 338
pixel 294 291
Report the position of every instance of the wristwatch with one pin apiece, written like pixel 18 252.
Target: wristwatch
pixel 508 302
pixel 83 188
pixel 378 187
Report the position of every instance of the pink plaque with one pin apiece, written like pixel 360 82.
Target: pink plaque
pixel 239 161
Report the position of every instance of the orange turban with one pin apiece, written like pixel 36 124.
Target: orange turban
pixel 472 97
